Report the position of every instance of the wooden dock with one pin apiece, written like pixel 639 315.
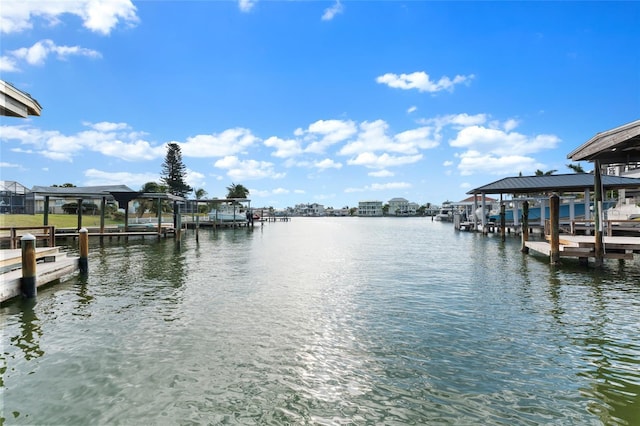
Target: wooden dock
pixel 51 265
pixel 583 246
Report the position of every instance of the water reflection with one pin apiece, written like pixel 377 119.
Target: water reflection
pixel 84 296
pixel 325 321
pixel 30 331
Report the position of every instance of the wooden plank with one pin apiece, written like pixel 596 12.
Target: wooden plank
pixel 539 246
pixel 14 256
pixel 46 273
pixel 613 255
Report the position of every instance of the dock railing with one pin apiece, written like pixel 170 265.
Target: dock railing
pixel 610 226
pixel 13 234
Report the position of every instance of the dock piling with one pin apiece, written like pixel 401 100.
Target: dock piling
pixel 525 227
pixel 83 241
pixel 554 216
pixel 28 281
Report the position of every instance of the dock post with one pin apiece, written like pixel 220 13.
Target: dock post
pixel 502 221
pixel 598 216
pixel 83 241
pixel 197 227
pixel 525 227
pixel 28 282
pixel 554 216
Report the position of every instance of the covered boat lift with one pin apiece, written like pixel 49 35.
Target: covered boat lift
pixel 121 194
pixel 618 146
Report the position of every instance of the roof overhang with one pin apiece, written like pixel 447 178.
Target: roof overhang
pixel 577 182
pixel 616 146
pixel 16 103
pixel 117 192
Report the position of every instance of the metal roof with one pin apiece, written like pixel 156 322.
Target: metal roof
pixel 79 191
pixel 114 191
pixel 575 182
pixel 616 146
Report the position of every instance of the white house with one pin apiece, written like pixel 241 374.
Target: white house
pixel 314 209
pixel 398 207
pixel 369 208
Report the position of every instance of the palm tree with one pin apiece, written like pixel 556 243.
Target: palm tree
pixel 201 193
pixel 152 205
pixel 237 191
pixel 541 173
pixel 577 168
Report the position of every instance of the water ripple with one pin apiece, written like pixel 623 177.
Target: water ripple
pixel 327 321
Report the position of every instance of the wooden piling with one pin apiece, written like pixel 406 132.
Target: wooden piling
pixel 83 241
pixel 502 221
pixel 28 283
pixel 597 203
pixel 525 227
pixel 554 222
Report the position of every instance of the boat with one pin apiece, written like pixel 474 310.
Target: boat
pixel 445 214
pixel 228 214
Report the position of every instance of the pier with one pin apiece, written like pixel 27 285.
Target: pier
pixel 51 265
pixel 584 247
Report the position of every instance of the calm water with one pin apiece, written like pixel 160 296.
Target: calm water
pixel 327 321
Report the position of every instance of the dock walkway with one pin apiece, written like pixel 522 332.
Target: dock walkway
pixel 583 246
pixel 52 265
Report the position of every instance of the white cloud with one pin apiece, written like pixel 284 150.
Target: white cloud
pixel 509 125
pixel 106 126
pixel 114 140
pixel 229 142
pixel 246 5
pixel 97 16
pixel 331 12
pixel 500 142
pixel 380 187
pixel 247 169
pixel 369 159
pixel 8 64
pixel 373 137
pixel 285 148
pixel 455 120
pixel 412 109
pixel 324 133
pixel 4 164
pixel 448 163
pixel 38 53
pixel 472 162
pixel 327 163
pixel 130 151
pixel 421 81
pixel 132 180
pixel 195 179
pixel 381 173
pixel 418 138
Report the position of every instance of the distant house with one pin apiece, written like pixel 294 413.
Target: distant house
pixel 478 199
pixel 314 209
pixel 13 197
pixel 369 208
pixel 398 207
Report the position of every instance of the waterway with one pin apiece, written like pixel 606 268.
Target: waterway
pixel 326 321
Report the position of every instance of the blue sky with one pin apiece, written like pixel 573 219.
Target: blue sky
pixel 310 101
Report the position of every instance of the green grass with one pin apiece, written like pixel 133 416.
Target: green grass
pixel 57 220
